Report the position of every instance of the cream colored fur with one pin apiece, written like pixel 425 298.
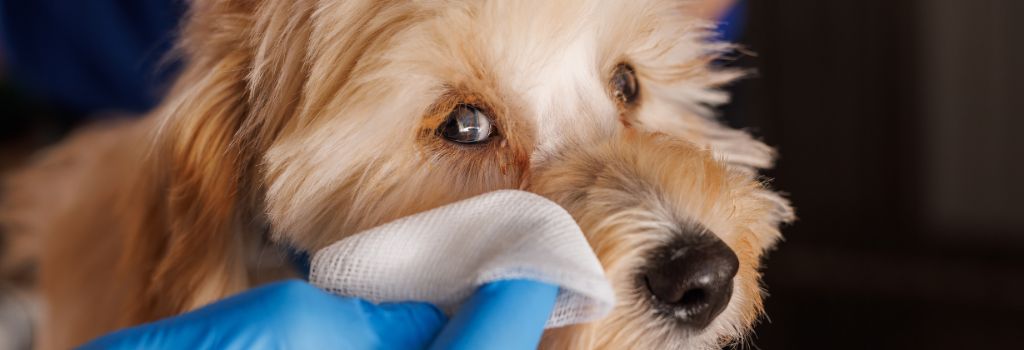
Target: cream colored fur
pixel 309 120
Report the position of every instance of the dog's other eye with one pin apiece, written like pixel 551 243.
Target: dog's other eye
pixel 624 84
pixel 466 124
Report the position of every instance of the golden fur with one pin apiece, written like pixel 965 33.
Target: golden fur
pixel 304 121
pixel 630 194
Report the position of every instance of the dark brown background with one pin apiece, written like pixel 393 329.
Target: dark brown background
pixel 898 123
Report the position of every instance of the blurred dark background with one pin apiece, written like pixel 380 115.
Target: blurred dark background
pixel 897 122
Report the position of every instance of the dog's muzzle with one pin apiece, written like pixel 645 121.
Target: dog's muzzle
pixel 690 278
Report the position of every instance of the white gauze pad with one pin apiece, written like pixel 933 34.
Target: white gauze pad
pixel 441 256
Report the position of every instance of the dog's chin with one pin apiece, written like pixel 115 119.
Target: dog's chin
pixel 638 324
pixel 640 320
pixel 726 329
pixel 681 252
pixel 646 330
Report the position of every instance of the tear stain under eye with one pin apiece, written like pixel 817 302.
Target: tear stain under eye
pixel 624 119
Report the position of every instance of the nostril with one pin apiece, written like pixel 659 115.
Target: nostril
pixel 677 297
pixel 693 297
pixel 691 278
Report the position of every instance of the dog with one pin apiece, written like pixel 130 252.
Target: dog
pixel 296 123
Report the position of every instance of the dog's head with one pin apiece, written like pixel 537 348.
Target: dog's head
pixel 327 117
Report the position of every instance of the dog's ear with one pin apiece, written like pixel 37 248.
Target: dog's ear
pixel 215 124
pixel 199 258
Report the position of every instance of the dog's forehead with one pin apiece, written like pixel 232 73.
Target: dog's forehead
pixel 552 58
pixel 546 63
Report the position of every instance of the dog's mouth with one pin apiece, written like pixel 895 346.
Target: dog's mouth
pixel 653 209
pixel 689 281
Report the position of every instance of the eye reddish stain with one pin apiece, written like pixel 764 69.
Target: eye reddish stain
pixel 625 86
pixel 503 159
pixel 625 90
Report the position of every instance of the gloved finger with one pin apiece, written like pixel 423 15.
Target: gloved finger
pixel 286 315
pixel 508 314
pixel 409 325
pixel 310 318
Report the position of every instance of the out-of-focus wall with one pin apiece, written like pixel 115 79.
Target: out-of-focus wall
pixel 899 125
pixel 973 100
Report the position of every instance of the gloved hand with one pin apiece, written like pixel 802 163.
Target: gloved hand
pixel 295 315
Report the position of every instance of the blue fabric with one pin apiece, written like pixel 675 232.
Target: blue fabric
pixel 90 55
pixel 295 315
pixel 730 26
pixel 300 260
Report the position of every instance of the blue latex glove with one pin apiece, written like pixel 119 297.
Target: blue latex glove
pixel 500 315
pixel 295 315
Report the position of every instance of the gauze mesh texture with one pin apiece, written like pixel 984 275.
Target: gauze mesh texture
pixel 441 256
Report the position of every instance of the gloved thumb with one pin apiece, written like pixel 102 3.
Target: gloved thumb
pixel 408 325
pixel 508 314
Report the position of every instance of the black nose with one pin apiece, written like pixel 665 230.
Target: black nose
pixel 691 278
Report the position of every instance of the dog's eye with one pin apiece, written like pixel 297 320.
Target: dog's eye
pixel 624 84
pixel 466 124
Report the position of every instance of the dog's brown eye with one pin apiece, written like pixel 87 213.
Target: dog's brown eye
pixel 624 84
pixel 466 124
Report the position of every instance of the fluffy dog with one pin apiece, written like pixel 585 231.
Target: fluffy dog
pixel 299 122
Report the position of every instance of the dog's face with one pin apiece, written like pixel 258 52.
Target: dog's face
pixel 360 112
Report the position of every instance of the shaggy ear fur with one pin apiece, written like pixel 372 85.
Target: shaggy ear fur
pixel 200 259
pixel 232 100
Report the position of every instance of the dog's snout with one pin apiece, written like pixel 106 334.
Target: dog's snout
pixel 691 278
